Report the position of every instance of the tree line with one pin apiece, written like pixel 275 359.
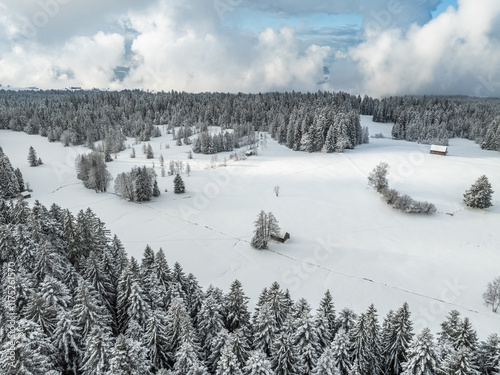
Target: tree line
pixel 436 119
pixel 74 303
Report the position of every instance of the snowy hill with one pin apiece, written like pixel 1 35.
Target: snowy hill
pixel 343 237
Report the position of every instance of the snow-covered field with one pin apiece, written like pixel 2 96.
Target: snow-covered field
pixel 343 237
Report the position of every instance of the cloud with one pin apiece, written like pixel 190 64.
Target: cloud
pixel 456 53
pixel 174 49
pixel 81 61
pixel 192 46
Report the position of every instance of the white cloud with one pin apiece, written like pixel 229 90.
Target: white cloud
pixel 452 54
pixel 186 45
pixel 175 50
pixel 81 61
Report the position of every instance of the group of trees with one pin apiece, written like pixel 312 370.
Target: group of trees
pixel 138 185
pixel 436 119
pixel 378 180
pixel 11 179
pixel 207 143
pixel 92 170
pixel 266 226
pixel 310 122
pixel 81 307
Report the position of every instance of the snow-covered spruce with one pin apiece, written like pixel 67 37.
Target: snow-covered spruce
pixel 479 194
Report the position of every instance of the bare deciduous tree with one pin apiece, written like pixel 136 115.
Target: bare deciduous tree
pixel 492 294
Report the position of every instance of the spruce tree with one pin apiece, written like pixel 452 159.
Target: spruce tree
pixel 138 308
pixel 325 320
pixel 179 185
pixel 27 351
pixel 265 329
pixel 422 358
pixel 285 358
pixel 397 337
pixel 236 308
pixel 98 351
pixel 42 313
pixel 128 357
pixel 326 364
pixel 156 340
pixel 258 364
pixel 340 349
pixel 9 183
pixel 228 362
pixel 210 323
pixel 187 361
pixel 88 311
pixel 177 325
pixel 362 353
pixel 32 158
pixel 68 344
pixel 479 195
pixel 306 340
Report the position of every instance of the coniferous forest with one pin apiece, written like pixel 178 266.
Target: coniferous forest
pixel 311 122
pixel 73 303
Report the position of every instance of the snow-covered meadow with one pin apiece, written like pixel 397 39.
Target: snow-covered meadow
pixel 343 237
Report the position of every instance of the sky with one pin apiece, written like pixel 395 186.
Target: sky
pixel 374 47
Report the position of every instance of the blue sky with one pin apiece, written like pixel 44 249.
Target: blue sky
pixel 377 47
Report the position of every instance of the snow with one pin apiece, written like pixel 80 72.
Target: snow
pixel 343 237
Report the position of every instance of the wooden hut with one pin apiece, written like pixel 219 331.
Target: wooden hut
pixel 280 237
pixel 439 150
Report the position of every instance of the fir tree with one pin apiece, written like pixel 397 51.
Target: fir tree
pixel 341 352
pixel 397 337
pixel 138 308
pixel 177 325
pixel 325 320
pixel 236 308
pixel 459 362
pixel 422 359
pixel 88 311
pixel 265 329
pixel 27 351
pixel 258 364
pixel 228 362
pixel 42 313
pixel 479 194
pixel 216 348
pixel 187 361
pixel 306 341
pixel 68 343
pixel 9 183
pixel 98 351
pixel 179 185
pixel 32 158
pixel 156 340
pixel 285 356
pixel 128 357
pixel 362 351
pixel 149 152
pixel 326 364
